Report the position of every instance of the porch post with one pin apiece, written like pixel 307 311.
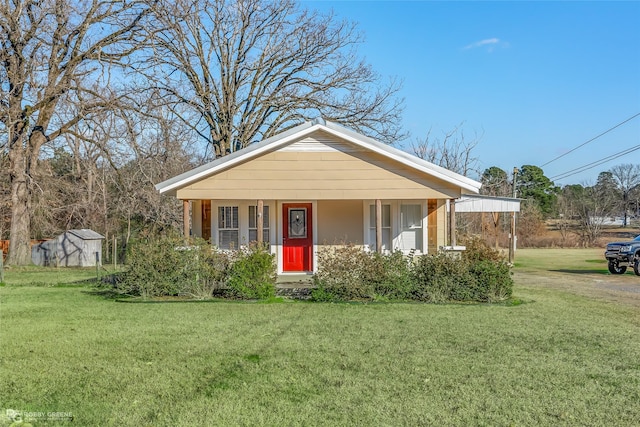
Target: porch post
pixel 452 222
pixel 185 219
pixel 259 221
pixel 379 225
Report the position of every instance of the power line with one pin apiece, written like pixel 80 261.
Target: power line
pixel 592 139
pixel 596 163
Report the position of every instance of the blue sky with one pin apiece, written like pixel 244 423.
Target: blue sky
pixel 537 79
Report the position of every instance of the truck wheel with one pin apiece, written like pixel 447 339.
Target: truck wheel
pixel 615 268
pixel 636 265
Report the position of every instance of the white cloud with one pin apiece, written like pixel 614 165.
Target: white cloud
pixel 490 44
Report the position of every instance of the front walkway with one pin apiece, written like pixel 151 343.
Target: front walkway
pixel 294 281
pixel 297 286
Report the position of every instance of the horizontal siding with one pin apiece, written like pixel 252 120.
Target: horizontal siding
pixel 340 221
pixel 320 175
pixel 320 142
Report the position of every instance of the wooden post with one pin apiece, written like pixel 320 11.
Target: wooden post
pixel 379 226
pixel 115 252
pixel 452 222
pixel 185 220
pixel 260 221
pixel 512 234
pixel 1 266
pixel 496 222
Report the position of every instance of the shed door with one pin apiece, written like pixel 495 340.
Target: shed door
pixel 297 237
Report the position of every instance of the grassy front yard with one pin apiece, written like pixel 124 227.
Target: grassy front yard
pixel 556 359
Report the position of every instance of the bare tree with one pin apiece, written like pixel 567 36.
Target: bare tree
pixel 5 197
pixel 55 59
pixel 248 69
pixel 69 184
pixel 584 209
pixel 495 182
pixel 566 222
pixel 159 146
pixel 453 151
pixel 627 179
pixel 531 224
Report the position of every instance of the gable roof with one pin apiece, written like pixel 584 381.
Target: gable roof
pixel 300 131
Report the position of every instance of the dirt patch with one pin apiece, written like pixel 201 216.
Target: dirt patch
pixel 623 289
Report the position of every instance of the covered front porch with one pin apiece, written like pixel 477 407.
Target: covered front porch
pixel 295 230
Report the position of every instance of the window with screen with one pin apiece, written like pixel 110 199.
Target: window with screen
pixel 228 231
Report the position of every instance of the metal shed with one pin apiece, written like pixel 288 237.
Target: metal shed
pixel 73 248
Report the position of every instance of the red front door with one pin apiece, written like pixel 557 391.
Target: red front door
pixel 297 237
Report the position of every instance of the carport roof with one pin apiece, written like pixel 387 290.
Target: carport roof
pixel 478 203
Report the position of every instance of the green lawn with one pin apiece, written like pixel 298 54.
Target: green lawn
pixel 557 359
pixel 43 276
pixel 558 259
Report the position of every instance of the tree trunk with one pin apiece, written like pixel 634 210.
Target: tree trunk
pixel 20 237
pixel 22 161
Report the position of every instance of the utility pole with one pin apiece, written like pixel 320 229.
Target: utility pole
pixel 512 234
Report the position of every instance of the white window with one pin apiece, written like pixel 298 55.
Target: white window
pixel 404 225
pixel 410 227
pixel 228 230
pixel 386 227
pixel 253 224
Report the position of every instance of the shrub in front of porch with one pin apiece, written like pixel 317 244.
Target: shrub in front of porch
pixel 342 274
pixel 390 276
pixel 441 277
pixel 347 273
pixel 490 270
pixel 253 273
pixel 480 273
pixel 156 268
pixel 166 267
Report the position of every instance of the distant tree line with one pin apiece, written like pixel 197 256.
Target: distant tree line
pixel 577 210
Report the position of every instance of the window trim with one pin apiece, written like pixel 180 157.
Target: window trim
pixel 396 226
pixel 224 224
pixel 243 221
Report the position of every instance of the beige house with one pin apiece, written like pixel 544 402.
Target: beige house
pixel 320 184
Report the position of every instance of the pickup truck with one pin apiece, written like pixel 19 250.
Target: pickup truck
pixel 621 255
